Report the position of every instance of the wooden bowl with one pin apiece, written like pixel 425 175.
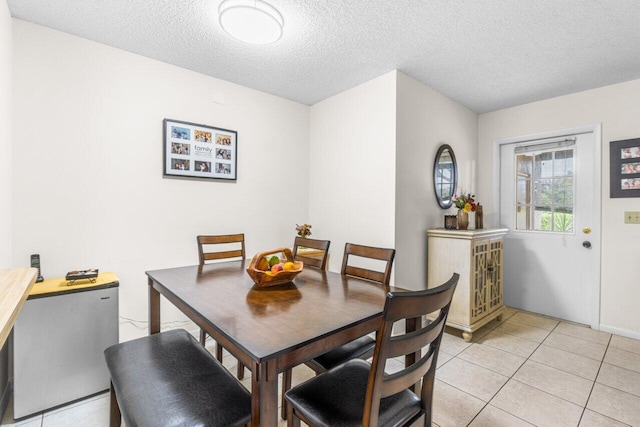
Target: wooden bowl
pixel 264 278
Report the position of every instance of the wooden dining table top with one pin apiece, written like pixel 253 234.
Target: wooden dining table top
pixel 268 322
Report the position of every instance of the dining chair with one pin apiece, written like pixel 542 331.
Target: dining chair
pixel 205 253
pixel 359 393
pixel 205 242
pixel 360 348
pixel 382 254
pixel 311 261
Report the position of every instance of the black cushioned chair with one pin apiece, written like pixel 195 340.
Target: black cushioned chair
pixel 357 393
pixel 204 255
pixel 362 347
pixel 169 379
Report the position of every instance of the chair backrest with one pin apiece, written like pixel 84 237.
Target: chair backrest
pixel 381 254
pixel 321 245
pixel 216 240
pixel 413 307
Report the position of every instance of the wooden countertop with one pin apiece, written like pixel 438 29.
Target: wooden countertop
pixel 15 285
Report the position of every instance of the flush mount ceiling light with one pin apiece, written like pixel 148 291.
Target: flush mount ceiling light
pixel 251 21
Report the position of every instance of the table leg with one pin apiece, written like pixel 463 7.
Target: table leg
pixel 264 391
pixel 154 309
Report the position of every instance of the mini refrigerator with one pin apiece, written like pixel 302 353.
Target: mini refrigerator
pixel 59 339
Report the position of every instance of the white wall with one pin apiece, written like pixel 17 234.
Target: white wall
pixel 426 119
pixel 5 134
pixel 617 107
pixel 5 177
pixel 352 167
pixel 88 190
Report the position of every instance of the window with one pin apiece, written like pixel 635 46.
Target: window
pixel 545 189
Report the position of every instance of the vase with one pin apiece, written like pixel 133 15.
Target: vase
pixel 463 220
pixel 479 219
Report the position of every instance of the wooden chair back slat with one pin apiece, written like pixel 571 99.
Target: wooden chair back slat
pixel 382 254
pixel 208 256
pixel 414 341
pixel 220 239
pixel 363 273
pixel 395 383
pixel 322 245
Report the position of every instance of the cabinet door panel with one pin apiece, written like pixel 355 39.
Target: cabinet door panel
pixel 494 275
pixel 479 307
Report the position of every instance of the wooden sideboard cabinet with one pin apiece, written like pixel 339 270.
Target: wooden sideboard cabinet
pixel 476 255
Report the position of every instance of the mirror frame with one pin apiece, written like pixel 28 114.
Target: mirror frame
pixel 445 204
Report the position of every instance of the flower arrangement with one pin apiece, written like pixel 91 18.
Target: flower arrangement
pixel 303 230
pixel 466 203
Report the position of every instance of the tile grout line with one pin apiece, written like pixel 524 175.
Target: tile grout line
pixel 511 378
pixel 594 384
pixel 455 356
pixel 594 381
pixel 601 362
pixel 529 358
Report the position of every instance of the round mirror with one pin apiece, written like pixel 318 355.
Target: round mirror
pixel 445 176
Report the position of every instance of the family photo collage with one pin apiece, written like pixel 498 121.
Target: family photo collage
pixel 625 168
pixel 199 151
pixel 630 168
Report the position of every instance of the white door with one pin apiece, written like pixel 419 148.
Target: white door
pixel 549 200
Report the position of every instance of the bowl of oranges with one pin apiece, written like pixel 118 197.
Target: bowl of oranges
pixel 269 269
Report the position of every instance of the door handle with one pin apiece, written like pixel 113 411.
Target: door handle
pixel 586 244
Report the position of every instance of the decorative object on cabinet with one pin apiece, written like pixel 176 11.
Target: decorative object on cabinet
pixel 463 220
pixel 445 176
pixel 625 168
pixel 465 204
pixel 479 217
pixel 450 222
pixel 477 256
pixel 199 151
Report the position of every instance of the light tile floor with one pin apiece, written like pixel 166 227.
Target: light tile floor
pixel 527 370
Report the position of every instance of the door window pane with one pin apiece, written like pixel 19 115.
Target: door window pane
pixel 523 192
pixel 545 188
pixel 563 165
pixel 523 217
pixel 544 165
pixel 563 191
pixel 543 191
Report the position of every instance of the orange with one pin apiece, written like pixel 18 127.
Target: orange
pixel 289 266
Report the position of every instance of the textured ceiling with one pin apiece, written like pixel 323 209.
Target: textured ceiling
pixel 485 54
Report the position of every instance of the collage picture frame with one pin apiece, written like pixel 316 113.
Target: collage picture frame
pixel 624 168
pixel 199 151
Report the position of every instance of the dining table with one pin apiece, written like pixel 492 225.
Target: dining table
pixel 269 329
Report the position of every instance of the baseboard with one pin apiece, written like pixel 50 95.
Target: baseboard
pixel 622 332
pixel 4 400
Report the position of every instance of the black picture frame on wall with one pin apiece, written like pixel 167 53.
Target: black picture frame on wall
pixel 199 151
pixel 624 158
